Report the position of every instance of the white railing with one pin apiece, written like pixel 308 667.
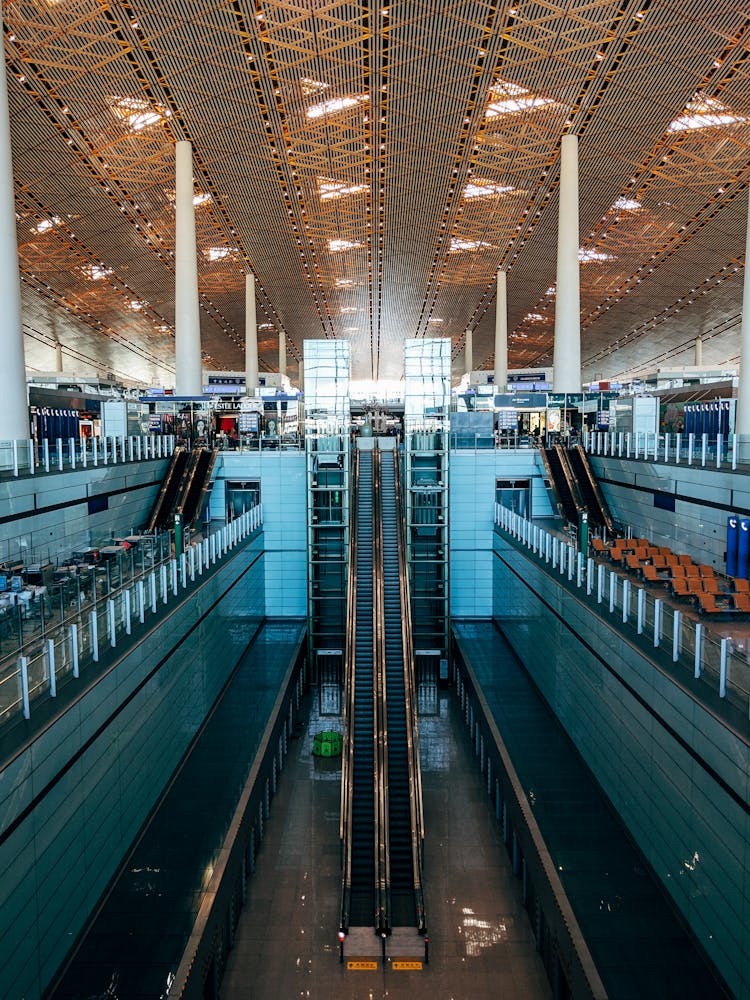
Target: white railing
pixel 720 661
pixel 28 457
pixel 717 451
pixel 36 668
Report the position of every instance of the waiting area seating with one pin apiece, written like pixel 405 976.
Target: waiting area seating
pixel 700 585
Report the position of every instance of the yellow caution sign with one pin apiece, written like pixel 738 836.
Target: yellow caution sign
pixel 361 965
pixel 407 966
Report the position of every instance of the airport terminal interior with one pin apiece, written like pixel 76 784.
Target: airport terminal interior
pixel 375 500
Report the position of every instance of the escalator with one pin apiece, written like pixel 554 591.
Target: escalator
pixel 568 503
pixel 196 487
pixel 382 907
pixel 599 515
pixel 358 788
pixel 164 504
pixel 404 903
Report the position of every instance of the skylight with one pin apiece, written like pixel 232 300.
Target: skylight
pixel 587 254
pixel 704 112
pixel 328 188
pixel 485 189
pixel 96 271
pixel 509 98
pixel 201 198
pixel 335 105
pixel 218 253
pixel 623 204
pixel 459 246
pixel 336 246
pixel 46 224
pixel 136 113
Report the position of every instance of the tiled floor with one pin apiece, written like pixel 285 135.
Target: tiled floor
pixel 481 943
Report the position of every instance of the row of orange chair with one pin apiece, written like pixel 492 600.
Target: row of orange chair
pixel 733 602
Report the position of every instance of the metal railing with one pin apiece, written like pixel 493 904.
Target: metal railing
pixel 718 660
pixel 718 451
pixel 35 670
pixel 29 457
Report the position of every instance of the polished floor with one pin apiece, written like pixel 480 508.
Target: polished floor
pixel 481 944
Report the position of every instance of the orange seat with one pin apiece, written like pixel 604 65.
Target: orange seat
pixel 711 585
pixel 741 586
pixel 684 560
pixel 632 561
pixel 659 561
pixel 708 605
pixel 678 571
pixel 692 570
pixel 741 602
pixel 598 545
pixel 681 588
pixel 672 560
pixel 707 570
pixel 651 574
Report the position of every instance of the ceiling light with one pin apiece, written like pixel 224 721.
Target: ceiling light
pixel 335 105
pixel 533 317
pixel 201 198
pixel 311 87
pixel 96 271
pixel 345 283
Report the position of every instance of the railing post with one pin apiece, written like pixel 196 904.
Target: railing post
pixel 105 453
pixel 641 609
pixel 625 600
pixel 183 570
pixel 571 561
pixel 691 446
pixel 111 622
pixel 698 649
pixel 95 450
pixel 657 621
pixel 678 448
pixel 163 577
pixel 73 634
pixel 599 583
pixel 704 449
pixel 734 451
pixel 627 445
pixel 173 573
pixel 152 590
pixel 72 452
pixel 45 454
pixel 23 682
pixel 131 447
pixel 32 456
pixel 676 635
pixel 141 601
pixel 192 563
pixel 723 668
pixel 656 447
pixel 554 551
pixel 666 448
pixel 126 609
pixel 612 590
pixel 59 455
pixel 94 633
pixel 50 650
pixel 589 574
pixel 719 448
pixel 579 569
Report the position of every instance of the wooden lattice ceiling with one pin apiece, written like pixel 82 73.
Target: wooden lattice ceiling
pixel 374 166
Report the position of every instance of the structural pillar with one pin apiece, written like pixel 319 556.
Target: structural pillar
pixel 742 417
pixel 567 350
pixel 282 352
pixel 469 353
pixel 14 413
pixel 187 333
pixel 251 337
pixel 501 333
pixel 301 377
pixel 698 352
pixel 58 358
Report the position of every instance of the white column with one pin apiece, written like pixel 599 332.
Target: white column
pixel 567 350
pixel 742 418
pixel 188 376
pixel 282 352
pixel 251 337
pixel 301 377
pixel 58 358
pixel 469 352
pixel 501 333
pixel 14 413
pixel 698 352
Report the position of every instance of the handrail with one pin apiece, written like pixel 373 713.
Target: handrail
pixel 553 484
pixel 412 730
pixel 570 479
pixel 382 837
pixel 347 757
pixel 591 479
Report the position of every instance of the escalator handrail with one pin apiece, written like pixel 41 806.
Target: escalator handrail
pixel 605 516
pixel 347 758
pixel 156 511
pixel 570 479
pixel 382 828
pixel 412 729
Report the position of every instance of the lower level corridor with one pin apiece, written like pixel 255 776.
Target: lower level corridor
pixel 481 942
